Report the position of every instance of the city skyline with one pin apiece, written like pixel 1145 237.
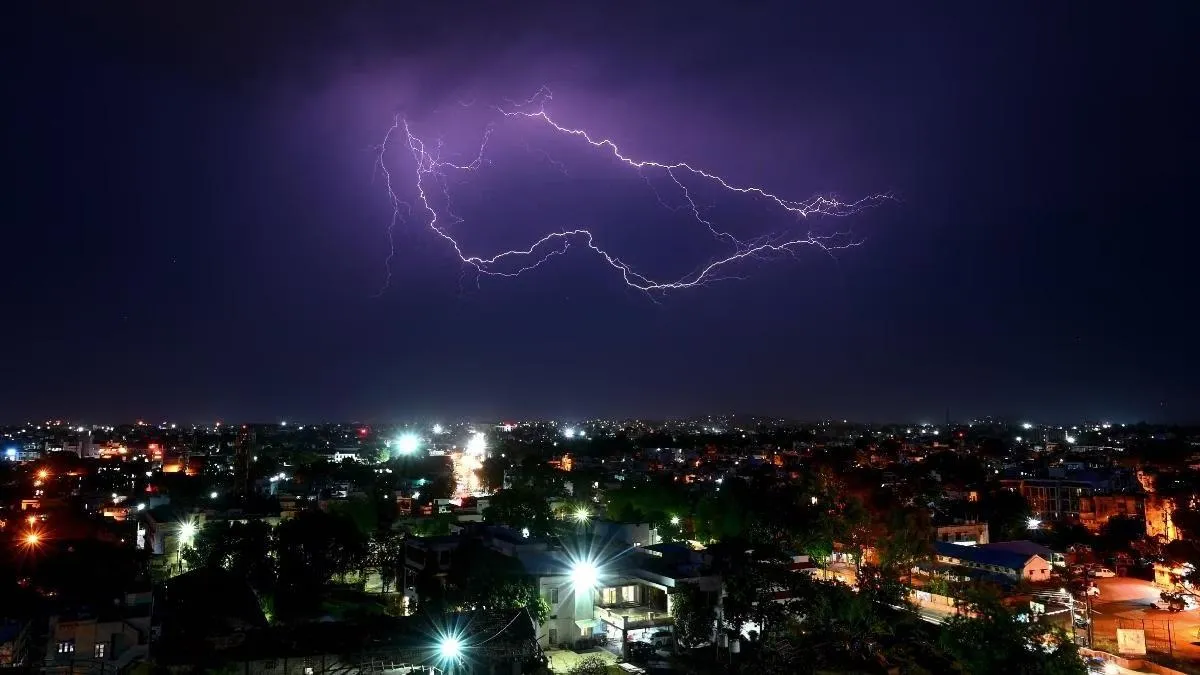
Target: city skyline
pixel 203 231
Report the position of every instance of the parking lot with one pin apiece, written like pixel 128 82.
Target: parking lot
pixel 1129 603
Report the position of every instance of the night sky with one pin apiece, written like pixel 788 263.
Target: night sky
pixel 194 228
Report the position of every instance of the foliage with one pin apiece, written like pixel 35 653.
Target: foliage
pixel 481 578
pixel 1007 513
pixel 521 507
pixel 313 549
pixel 589 665
pixel 1012 645
pixel 695 615
pixel 907 541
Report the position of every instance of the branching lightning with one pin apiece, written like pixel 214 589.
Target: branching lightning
pixel 431 172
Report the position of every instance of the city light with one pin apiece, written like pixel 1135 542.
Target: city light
pixel 450 648
pixel 408 443
pixel 525 532
pixel 675 521
pixel 569 432
pixel 187 531
pixel 1070 439
pixel 584 575
pixel 438 429
pixel 212 495
pixel 581 515
pixel 43 474
pixel 1033 523
pixel 32 539
pixel 1027 426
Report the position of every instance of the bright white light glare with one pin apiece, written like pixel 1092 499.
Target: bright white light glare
pixel 450 648
pixel 141 507
pixel 477 445
pixel 1019 439
pixel 675 520
pixel 438 429
pixel 584 575
pixel 1070 439
pixel 408 443
pixel 416 495
pixel 1033 523
pixel 1111 668
pixel 1026 426
pixel 187 530
pixel 581 515
pixel 525 532
pixel 212 495
pixel 569 432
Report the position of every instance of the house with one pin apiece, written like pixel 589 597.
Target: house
pixel 1009 564
pixel 100 638
pixel 966 534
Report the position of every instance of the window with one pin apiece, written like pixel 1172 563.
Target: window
pixel 101 648
pixel 66 647
pixel 554 596
pixel 553 636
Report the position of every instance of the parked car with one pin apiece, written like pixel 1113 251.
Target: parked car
pixel 1102 573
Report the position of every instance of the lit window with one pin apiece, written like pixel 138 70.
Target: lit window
pixel 100 649
pixel 66 647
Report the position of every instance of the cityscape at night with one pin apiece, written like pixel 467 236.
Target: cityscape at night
pixel 600 338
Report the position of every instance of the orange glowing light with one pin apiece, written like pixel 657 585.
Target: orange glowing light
pixel 31 520
pixel 32 539
pixel 43 474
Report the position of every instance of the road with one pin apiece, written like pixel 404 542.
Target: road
pixel 1130 602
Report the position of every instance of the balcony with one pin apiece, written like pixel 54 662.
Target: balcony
pixel 629 618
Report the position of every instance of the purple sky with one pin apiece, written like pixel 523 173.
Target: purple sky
pixel 196 231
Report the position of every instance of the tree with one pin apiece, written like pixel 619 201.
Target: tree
pixel 482 578
pixel 313 548
pixel 907 542
pixel 990 638
pixel 695 615
pixel 1007 513
pixel 521 507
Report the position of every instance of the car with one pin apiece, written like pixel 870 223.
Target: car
pixel 1102 573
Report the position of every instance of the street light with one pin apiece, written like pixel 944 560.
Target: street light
pixel 675 521
pixel 32 539
pixel 584 575
pixel 581 515
pixel 1033 523
pixel 450 648
pixel 408 443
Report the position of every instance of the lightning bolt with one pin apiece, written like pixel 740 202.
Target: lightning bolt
pixel 430 172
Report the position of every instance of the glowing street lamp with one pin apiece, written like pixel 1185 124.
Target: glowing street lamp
pixel 408 443
pixel 450 648
pixel 187 531
pixel 1033 523
pixel 675 521
pixel 581 515
pixel 32 539
pixel 584 575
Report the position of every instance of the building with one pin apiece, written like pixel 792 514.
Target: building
pixel 1008 564
pixel 624 599
pixel 966 534
pixel 100 639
